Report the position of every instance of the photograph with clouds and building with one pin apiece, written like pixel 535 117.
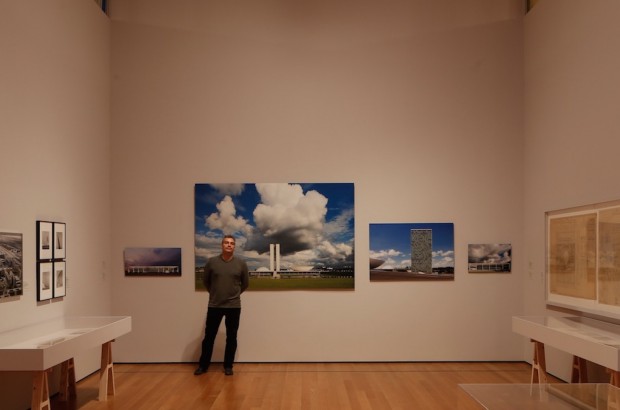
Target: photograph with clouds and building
pixel 411 251
pixel 489 258
pixel 292 235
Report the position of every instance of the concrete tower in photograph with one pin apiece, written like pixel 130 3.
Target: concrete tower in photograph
pixel 422 250
pixel 274 258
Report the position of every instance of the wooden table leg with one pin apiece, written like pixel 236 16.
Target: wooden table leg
pixel 614 378
pixel 580 370
pixel 106 374
pixel 539 367
pixel 613 398
pixel 40 391
pixel 67 380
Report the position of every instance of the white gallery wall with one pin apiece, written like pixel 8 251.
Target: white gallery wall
pixel 572 128
pixel 108 124
pixel 55 159
pixel 419 104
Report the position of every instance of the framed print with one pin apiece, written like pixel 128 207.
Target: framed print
pixel 293 236
pixel 411 251
pixel 44 240
pixel 11 271
pixel 60 279
pixel 60 240
pixel 489 258
pixel 582 269
pixel 44 280
pixel 152 261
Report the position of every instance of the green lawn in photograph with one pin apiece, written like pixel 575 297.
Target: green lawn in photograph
pixel 300 283
pixel 292 283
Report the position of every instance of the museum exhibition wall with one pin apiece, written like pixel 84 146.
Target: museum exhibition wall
pixel 54 106
pixel 571 128
pixel 419 108
pixel 110 123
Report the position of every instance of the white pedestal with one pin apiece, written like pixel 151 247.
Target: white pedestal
pixel 40 347
pixel 585 338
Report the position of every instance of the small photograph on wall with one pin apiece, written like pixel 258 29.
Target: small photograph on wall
pixel 291 235
pixel 45 278
pixel 152 261
pixel 44 240
pixel 11 271
pixel 489 258
pixel 60 279
pixel 60 240
pixel 411 251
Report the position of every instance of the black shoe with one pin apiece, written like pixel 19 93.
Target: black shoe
pixel 199 371
pixel 228 371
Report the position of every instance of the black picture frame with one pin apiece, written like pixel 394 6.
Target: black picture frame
pixel 60 279
pixel 45 245
pixel 60 241
pixel 45 280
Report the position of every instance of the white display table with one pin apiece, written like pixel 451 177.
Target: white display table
pixel 585 338
pixel 544 396
pixel 40 347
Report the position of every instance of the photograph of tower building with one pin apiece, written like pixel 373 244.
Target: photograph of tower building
pixel 411 251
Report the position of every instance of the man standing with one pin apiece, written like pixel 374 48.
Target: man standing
pixel 226 277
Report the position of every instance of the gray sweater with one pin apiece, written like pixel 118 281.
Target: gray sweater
pixel 226 281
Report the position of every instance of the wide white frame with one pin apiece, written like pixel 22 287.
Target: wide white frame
pixel 593 306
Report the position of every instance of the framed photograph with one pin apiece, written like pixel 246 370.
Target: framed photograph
pixel 11 276
pixel 152 261
pixel 60 279
pixel 60 240
pixel 411 251
pixel 293 236
pixel 582 269
pixel 45 240
pixel 489 258
pixel 45 272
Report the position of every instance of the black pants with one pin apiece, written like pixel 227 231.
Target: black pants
pixel 214 318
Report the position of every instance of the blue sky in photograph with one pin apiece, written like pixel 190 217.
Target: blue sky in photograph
pixel 313 223
pixel 391 243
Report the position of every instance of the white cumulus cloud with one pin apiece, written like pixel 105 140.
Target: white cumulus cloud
pixel 226 219
pixel 287 216
pixel 229 189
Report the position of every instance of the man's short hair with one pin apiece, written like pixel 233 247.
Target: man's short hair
pixel 230 237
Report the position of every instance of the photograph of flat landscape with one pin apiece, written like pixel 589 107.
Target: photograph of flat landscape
pixel 489 258
pixel 292 235
pixel 411 251
pixel 152 261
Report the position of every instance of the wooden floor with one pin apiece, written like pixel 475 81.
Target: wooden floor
pixel 290 386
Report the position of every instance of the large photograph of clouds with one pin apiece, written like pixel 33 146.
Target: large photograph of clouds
pixel 292 235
